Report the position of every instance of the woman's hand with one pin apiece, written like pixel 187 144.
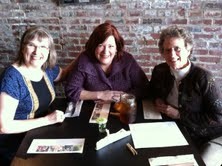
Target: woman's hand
pixel 109 95
pixel 166 109
pixel 55 117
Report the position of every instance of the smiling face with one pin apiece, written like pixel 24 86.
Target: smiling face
pixel 105 52
pixel 175 53
pixel 36 52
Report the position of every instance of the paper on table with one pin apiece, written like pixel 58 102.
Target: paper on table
pixel 217 140
pixel 156 134
pixel 57 146
pixel 101 110
pixel 149 111
pixel 111 138
pixel 180 160
pixel 212 153
pixel 73 110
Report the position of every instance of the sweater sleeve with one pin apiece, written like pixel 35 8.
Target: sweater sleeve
pixel 74 84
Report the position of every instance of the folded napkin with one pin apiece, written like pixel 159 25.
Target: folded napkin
pixel 110 138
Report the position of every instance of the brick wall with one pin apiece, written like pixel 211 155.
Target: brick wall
pixel 139 21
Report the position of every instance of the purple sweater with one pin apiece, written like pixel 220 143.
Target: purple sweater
pixel 126 75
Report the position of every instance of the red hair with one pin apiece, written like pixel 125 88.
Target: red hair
pixel 100 34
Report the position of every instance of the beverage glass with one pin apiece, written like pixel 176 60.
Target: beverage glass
pixel 127 108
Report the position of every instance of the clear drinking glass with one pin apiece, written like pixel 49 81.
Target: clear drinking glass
pixel 127 108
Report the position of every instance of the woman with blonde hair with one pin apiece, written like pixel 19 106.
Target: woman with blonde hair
pixel 27 90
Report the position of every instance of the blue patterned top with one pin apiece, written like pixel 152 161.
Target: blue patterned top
pixel 21 88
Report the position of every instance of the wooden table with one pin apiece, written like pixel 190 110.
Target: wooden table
pixel 115 154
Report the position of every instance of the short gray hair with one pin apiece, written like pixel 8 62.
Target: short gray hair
pixel 175 31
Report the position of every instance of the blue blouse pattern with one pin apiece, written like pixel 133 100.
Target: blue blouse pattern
pixel 18 87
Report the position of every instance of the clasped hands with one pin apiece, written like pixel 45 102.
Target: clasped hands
pixel 166 109
pixel 56 116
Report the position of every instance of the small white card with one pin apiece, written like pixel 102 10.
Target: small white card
pixel 56 146
pixel 212 153
pixel 149 111
pixel 101 110
pixel 217 140
pixel 180 160
pixel 73 110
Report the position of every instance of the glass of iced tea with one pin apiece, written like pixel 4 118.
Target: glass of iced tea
pixel 127 108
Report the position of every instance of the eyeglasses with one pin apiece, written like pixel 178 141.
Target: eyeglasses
pixel 34 47
pixel 170 50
